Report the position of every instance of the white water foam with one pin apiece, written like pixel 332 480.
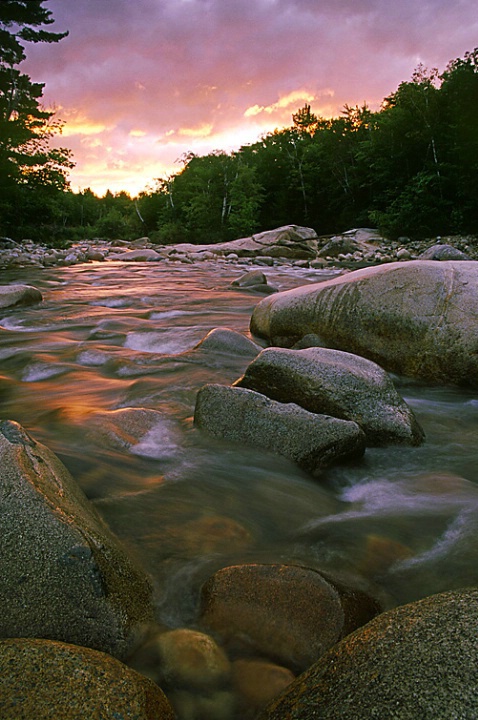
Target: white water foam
pixel 167 314
pixel 161 442
pixel 460 527
pixel 112 302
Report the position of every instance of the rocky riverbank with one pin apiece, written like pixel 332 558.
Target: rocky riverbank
pixel 290 244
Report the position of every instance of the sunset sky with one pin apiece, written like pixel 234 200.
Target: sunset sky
pixel 140 82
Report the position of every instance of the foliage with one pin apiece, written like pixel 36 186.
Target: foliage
pixel 30 172
pixel 411 167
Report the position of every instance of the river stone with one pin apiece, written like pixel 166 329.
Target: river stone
pixel 286 613
pixel 253 277
pixel 416 661
pixel 65 576
pixel 418 318
pixel 43 679
pixel 143 255
pixel 18 295
pixel 256 682
pixel 244 416
pixel 332 382
pixel 443 252
pixel 191 659
pixel 141 431
pixel 224 340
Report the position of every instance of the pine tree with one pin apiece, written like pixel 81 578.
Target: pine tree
pixel 26 128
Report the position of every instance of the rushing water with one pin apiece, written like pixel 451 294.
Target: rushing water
pixel 114 335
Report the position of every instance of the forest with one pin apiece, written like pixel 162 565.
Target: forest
pixel 409 168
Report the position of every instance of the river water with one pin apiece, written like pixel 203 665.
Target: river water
pixel 111 336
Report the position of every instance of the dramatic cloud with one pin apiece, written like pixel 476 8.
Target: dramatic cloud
pixel 140 83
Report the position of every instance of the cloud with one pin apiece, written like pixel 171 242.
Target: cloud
pixel 139 81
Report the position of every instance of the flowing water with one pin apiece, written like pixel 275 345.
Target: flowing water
pixel 114 335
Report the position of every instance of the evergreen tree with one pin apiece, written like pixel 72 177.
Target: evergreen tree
pixel 27 164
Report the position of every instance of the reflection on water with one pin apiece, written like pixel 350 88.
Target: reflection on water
pixel 110 338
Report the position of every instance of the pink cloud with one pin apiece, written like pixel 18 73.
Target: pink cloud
pixel 141 82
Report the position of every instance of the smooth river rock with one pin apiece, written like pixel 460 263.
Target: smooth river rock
pixel 42 679
pixel 225 341
pixel 11 295
pixel 244 416
pixel 416 661
pixel 443 252
pixel 140 255
pixel 65 576
pixel 417 318
pixel 286 613
pixel 332 382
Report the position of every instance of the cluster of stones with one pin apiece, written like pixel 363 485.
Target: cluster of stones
pixel 315 406
pixel 290 244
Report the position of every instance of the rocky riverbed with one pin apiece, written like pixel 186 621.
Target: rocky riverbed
pixel 192 520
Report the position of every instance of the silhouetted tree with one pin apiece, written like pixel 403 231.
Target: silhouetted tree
pixel 29 169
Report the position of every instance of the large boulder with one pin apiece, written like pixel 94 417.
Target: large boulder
pixel 287 613
pixel 418 318
pixel 18 295
pixel 416 661
pixel 363 240
pixel 443 252
pixel 332 382
pixel 292 241
pixel 65 576
pixel 140 255
pixel 312 441
pixel 43 679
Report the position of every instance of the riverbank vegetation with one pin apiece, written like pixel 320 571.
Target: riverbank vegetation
pixel 409 168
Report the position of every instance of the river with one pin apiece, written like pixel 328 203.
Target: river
pixel 116 335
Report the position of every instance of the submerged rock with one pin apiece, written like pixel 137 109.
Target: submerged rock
pixel 312 441
pixel 18 295
pixel 43 679
pixel 418 318
pixel 191 659
pixel 230 342
pixel 286 613
pixel 332 382
pixel 256 281
pixel 65 576
pixel 257 682
pixel 416 661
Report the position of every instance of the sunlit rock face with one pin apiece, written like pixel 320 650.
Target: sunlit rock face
pixel 416 661
pixel 418 318
pixel 46 679
pixel 312 441
pixel 64 574
pixel 336 383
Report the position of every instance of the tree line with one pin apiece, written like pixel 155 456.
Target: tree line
pixel 410 168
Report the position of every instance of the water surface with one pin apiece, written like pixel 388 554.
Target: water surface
pixel 113 336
